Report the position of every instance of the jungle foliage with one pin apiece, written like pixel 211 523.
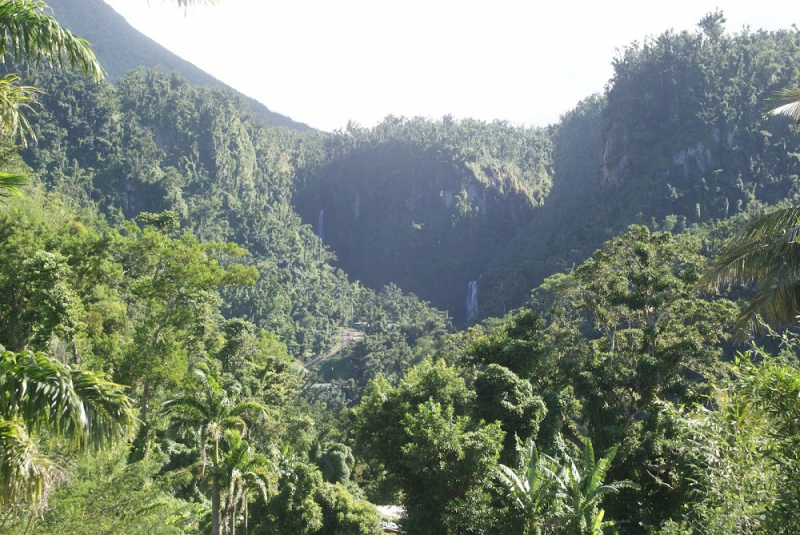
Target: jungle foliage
pixel 162 247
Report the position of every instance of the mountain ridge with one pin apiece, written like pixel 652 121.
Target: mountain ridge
pixel 121 48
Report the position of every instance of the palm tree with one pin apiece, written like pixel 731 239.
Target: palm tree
pixel 245 472
pixel 28 33
pixel 211 411
pixel 765 250
pixel 38 392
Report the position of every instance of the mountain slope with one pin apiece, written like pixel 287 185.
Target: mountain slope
pixel 678 140
pixel 159 143
pixel 121 48
pixel 426 204
pixel 440 207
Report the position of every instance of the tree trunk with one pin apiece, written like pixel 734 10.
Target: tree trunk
pixel 215 493
pixel 215 506
pixel 233 519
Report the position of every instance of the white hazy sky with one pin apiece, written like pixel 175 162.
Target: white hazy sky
pixel 324 62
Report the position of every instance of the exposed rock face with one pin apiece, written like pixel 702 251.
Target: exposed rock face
pixel 616 167
pixel 698 155
pixel 426 224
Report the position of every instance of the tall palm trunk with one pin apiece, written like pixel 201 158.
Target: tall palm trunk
pixel 215 494
pixel 233 519
pixel 215 507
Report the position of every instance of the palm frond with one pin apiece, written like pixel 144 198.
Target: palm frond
pixel 29 33
pixel 26 475
pixel 789 104
pixel 109 416
pixel 249 407
pixel 259 480
pixel 185 408
pixel 767 250
pixel 80 406
pixel 9 184
pixel 15 101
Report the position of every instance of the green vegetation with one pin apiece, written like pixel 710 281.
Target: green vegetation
pixel 678 139
pixel 160 247
pixel 551 494
pixel 39 394
pixel 27 32
pixel 426 204
pixel 764 249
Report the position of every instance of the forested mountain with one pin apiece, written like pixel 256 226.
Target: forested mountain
pixel 444 208
pixel 173 243
pixel 426 204
pixel 121 48
pixel 158 143
pixel 121 259
pixel 677 139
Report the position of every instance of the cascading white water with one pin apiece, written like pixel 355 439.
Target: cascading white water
pixel 472 300
pixel 321 226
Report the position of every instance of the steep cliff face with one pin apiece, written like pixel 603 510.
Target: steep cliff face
pixel 616 162
pixel 567 227
pixel 414 215
pixel 428 226
pixel 679 138
pixel 684 130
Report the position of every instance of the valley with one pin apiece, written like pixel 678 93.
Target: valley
pixel 215 319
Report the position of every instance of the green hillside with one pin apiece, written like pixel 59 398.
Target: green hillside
pixel 210 323
pixel 426 204
pixel 678 139
pixel 432 205
pixel 158 143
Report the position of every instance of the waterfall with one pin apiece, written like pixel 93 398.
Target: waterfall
pixel 472 300
pixel 321 226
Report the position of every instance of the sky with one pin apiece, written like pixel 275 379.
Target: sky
pixel 327 62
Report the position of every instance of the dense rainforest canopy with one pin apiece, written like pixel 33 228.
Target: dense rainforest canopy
pixel 250 327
